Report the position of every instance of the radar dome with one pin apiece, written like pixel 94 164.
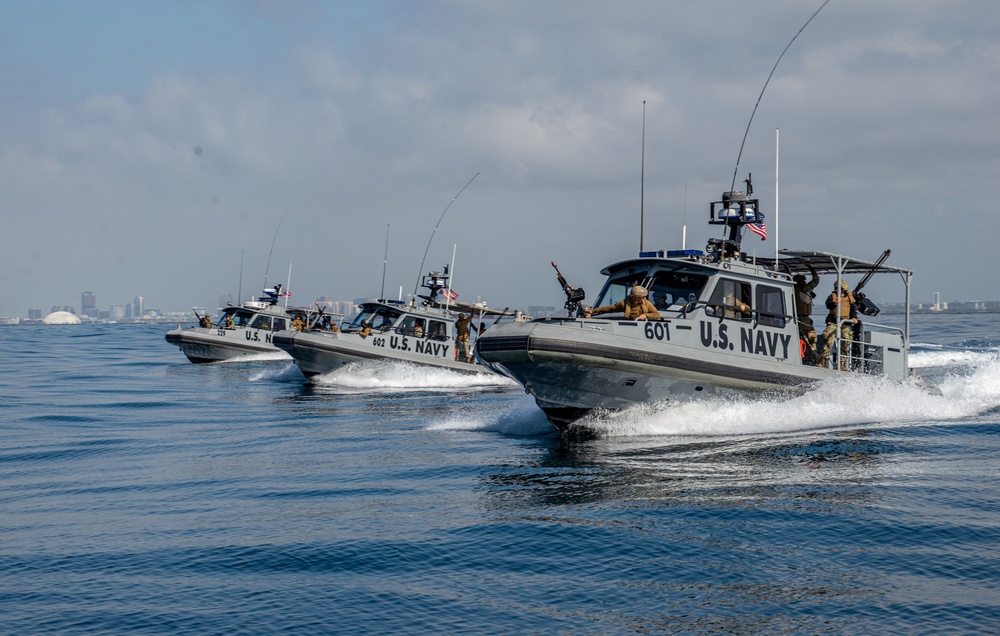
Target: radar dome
pixel 61 318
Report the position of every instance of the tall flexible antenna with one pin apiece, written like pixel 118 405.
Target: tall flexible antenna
pixel 421 270
pixel 738 157
pixel 272 248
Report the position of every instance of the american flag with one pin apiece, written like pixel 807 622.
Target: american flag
pixel 450 294
pixel 760 229
pixel 285 294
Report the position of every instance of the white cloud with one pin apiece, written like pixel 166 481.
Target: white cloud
pixel 887 115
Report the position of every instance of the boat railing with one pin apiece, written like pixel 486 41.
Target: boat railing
pixel 733 312
pixel 867 352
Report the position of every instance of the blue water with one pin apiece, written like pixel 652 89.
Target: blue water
pixel 141 494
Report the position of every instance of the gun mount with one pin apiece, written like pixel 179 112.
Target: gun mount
pixel 866 306
pixel 574 295
pixel 735 210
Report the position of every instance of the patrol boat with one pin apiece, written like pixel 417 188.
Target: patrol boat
pixel 253 326
pixel 388 330
pixel 727 324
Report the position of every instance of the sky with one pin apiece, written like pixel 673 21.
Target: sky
pixel 182 149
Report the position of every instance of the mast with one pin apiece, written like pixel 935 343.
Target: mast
pixel 642 180
pixel 776 131
pixel 385 261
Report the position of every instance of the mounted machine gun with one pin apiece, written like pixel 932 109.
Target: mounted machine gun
pixel 864 305
pixel 573 295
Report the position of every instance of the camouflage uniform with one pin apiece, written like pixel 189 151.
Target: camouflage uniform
pixel 848 311
pixel 463 340
pixel 634 306
pixel 803 312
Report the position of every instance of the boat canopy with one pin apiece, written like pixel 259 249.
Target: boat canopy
pixel 826 263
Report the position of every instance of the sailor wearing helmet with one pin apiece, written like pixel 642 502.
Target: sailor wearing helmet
pixel 635 307
pixel 842 308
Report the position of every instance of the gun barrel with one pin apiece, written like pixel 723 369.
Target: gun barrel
pixel 871 272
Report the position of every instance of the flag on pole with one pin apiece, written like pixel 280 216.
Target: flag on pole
pixel 285 294
pixel 760 229
pixel 450 294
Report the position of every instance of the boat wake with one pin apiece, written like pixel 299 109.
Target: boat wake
pixel 287 373
pixel 367 377
pixel 269 356
pixel 522 418
pixel 969 382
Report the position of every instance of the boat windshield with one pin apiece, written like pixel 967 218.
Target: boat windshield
pixel 667 289
pixel 380 318
pixel 241 317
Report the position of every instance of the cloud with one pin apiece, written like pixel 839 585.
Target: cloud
pixel 348 118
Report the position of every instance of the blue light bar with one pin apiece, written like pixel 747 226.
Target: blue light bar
pixel 682 253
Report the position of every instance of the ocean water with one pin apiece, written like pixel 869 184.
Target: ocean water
pixel 141 494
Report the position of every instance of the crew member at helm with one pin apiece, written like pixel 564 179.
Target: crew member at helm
pixel 635 307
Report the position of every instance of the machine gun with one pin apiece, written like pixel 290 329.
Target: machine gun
pixel 866 306
pixel 573 294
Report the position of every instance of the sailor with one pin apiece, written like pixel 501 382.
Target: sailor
pixel 298 324
pixel 229 322
pixel 804 295
pixel 736 308
pixel 847 311
pixel 464 340
pixel 366 329
pixel 418 328
pixel 635 307
pixel 205 321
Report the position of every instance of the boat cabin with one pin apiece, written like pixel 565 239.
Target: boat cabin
pixel 757 295
pixel 396 317
pixel 246 317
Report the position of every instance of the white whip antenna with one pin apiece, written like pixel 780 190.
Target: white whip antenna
pixel 747 131
pixel 426 249
pixel 776 139
pixel 272 247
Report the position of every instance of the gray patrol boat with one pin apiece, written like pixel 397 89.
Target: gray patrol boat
pixel 239 331
pixel 727 324
pixel 388 330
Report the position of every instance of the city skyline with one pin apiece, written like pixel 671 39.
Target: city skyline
pixel 137 309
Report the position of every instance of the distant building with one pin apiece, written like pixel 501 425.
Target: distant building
pixel 88 304
pixel 137 309
pixel 34 314
pixel 345 308
pixel 543 311
pixel 117 312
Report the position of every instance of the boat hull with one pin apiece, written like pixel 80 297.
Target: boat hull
pixel 202 345
pixel 574 366
pixel 318 352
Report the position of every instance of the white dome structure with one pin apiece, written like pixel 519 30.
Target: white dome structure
pixel 61 318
